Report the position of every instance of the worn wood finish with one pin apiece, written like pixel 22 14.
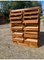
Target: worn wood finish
pixel 17 34
pixel 16 22
pixel 31 28
pixel 25 26
pixel 17 28
pixel 30 32
pixel 30 36
pixel 15 18
pixel 18 40
pixel 30 21
pixel 31 42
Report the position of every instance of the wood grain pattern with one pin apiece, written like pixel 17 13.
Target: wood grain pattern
pixel 15 18
pixel 30 36
pixel 17 34
pixel 31 42
pixel 25 26
pixel 31 12
pixel 31 28
pixel 30 32
pixel 18 40
pixel 36 16
pixel 15 22
pixel 31 21
pixel 15 14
